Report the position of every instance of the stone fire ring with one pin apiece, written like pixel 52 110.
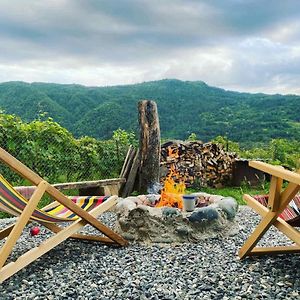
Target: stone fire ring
pixel 139 220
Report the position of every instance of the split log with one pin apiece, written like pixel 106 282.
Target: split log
pixel 207 164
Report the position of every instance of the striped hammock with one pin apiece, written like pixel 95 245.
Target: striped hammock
pixel 291 214
pixel 12 202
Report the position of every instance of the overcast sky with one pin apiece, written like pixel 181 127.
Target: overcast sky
pixel 243 45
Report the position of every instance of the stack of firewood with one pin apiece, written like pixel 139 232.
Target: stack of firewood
pixel 197 163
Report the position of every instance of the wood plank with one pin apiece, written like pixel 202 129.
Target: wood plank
pixel 129 163
pixel 128 188
pixel 285 197
pixel 85 184
pixel 61 198
pixel 276 171
pixel 269 219
pixel 102 239
pixel 275 190
pixel 258 232
pixel 127 169
pixel 126 161
pixel 282 225
pixel 6 231
pixel 52 242
pixel 278 202
pixel 275 250
pixel 113 190
pixel 21 222
pixel 88 184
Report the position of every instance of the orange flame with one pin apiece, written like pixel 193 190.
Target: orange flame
pixel 171 194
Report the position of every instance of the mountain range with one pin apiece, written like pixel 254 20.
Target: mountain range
pixel 184 107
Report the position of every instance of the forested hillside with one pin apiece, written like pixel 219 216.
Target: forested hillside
pixel 184 108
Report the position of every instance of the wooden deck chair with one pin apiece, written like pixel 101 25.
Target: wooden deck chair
pixel 278 201
pixel 62 209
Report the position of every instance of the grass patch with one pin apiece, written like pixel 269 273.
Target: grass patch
pixel 4 215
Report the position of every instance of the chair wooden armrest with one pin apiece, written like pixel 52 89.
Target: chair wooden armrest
pixel 277 171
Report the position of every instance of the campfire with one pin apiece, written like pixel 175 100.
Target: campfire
pixel 172 192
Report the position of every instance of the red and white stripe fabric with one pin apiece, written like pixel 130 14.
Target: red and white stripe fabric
pixel 291 214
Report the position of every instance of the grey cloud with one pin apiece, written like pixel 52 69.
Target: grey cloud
pixel 84 26
pixel 251 65
pixel 195 40
pixel 249 16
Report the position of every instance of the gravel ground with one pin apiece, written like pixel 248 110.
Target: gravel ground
pixel 208 270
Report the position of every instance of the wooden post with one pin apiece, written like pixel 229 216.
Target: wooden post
pixel 149 145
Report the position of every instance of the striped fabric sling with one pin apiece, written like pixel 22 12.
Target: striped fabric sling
pixel 13 202
pixel 291 213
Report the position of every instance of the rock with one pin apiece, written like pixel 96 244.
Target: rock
pixel 204 214
pixel 139 211
pixel 183 230
pixel 124 206
pixel 229 205
pixel 155 211
pixel 210 198
pixel 169 212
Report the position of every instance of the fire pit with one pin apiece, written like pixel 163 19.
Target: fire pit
pixel 160 217
pixel 141 218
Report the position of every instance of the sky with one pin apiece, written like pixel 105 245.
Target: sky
pixel 241 45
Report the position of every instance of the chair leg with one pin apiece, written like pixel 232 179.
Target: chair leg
pixel 269 219
pixel 275 250
pixel 55 229
pixel 21 222
pixel 58 196
pixel 275 190
pixel 24 260
pixel 257 234
pixel 6 231
pixel 288 230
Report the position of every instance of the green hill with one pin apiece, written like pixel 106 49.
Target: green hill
pixel 184 107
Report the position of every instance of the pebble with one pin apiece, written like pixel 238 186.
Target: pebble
pixel 209 269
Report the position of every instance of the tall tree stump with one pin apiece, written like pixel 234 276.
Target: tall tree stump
pixel 149 145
